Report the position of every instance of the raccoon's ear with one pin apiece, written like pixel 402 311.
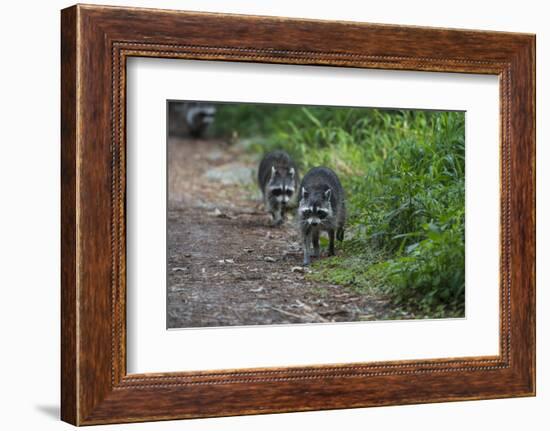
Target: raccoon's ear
pixel 328 193
pixel 292 172
pixel 305 193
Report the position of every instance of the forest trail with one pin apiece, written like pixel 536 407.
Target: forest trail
pixel 226 265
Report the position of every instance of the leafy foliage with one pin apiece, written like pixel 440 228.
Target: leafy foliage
pixel 403 172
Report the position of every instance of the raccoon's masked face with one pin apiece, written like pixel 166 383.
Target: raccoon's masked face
pixel 315 208
pixel 281 186
pixel 200 114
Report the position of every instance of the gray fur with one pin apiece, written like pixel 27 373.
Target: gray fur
pixel 190 119
pixel 278 181
pixel 321 209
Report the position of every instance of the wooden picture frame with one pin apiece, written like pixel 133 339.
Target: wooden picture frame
pixel 95 43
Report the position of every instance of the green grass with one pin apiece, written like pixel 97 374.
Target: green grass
pixel 403 172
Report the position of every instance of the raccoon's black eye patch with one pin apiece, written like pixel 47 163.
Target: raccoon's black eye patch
pixel 307 213
pixel 288 192
pixel 277 192
pixel 322 214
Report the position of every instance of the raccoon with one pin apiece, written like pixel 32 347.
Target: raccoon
pixel 321 208
pixel 278 181
pixel 190 118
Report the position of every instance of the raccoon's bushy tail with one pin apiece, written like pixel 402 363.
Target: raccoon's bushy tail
pixel 340 234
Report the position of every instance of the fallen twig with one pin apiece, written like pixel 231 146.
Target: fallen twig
pixel 309 316
pixel 288 313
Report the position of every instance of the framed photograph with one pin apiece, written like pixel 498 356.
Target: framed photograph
pixel 264 214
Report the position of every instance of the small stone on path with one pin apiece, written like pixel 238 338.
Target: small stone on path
pixel 232 173
pixel 179 269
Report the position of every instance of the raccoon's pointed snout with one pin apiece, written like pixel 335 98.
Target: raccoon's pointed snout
pixel 314 221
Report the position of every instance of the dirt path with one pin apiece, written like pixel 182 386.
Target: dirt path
pixel 226 264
